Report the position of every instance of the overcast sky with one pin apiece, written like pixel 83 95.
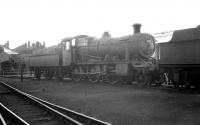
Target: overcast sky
pixel 52 20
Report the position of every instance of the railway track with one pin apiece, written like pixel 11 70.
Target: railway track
pixel 7 117
pixel 33 110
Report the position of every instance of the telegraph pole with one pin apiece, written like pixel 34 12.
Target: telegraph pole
pixel 21 72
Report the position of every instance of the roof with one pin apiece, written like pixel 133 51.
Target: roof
pixel 21 48
pixel 186 35
pixel 7 51
pixel 70 38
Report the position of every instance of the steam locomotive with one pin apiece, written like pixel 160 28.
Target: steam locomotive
pixel 127 58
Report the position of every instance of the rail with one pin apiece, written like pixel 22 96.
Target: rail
pixel 83 119
pixel 52 115
pixel 10 114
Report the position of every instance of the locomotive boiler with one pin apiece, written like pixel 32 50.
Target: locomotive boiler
pixel 139 45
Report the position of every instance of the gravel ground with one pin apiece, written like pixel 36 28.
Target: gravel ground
pixel 119 104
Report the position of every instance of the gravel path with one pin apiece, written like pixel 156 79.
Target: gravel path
pixel 119 104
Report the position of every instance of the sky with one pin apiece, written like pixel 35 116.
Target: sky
pixel 53 20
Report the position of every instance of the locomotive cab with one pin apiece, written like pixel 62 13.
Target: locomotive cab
pixel 71 54
pixel 66 53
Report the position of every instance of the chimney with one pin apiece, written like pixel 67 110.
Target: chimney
pixel 29 45
pixel 7 44
pixel 43 43
pixel 106 35
pixel 136 27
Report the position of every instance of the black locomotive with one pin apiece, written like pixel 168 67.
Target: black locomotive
pixel 107 59
pixel 127 58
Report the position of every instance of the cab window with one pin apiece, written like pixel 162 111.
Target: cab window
pixel 73 42
pixel 67 45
